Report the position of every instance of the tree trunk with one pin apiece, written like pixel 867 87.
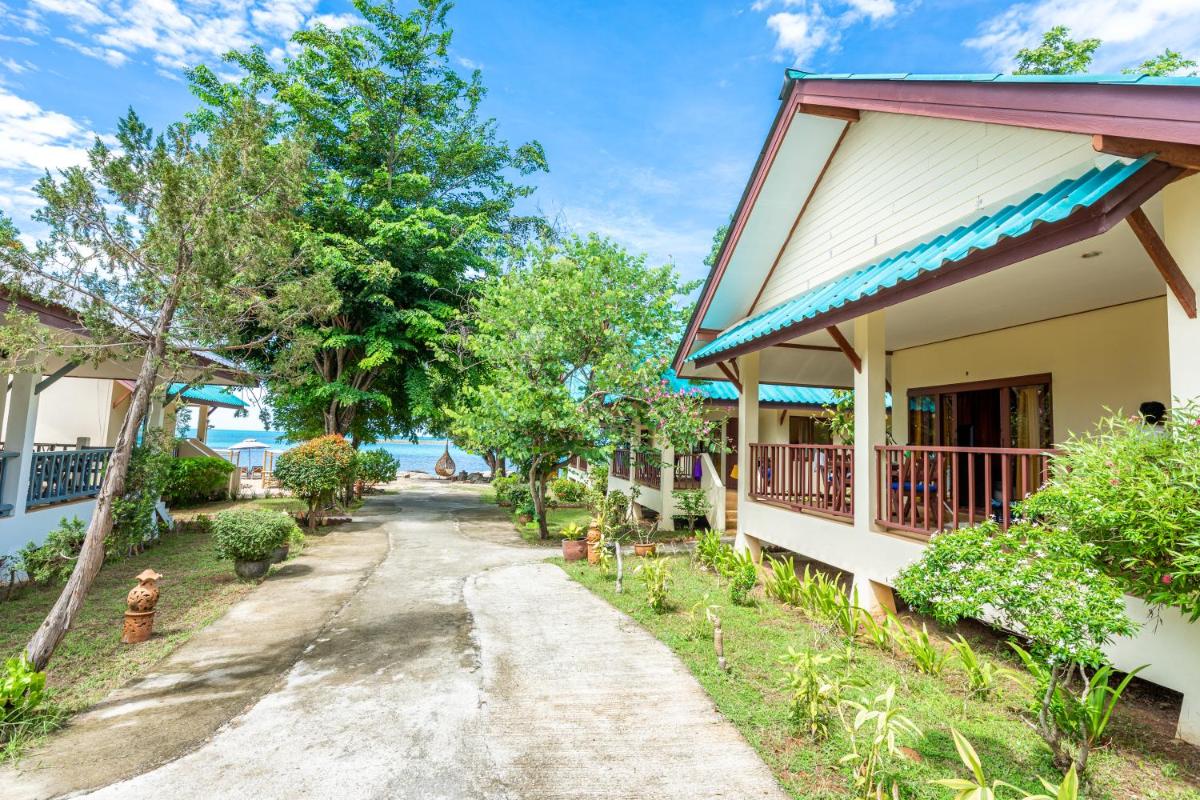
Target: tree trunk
pixel 91 557
pixel 537 488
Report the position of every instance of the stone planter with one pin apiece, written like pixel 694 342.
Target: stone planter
pixel 251 570
pixel 643 550
pixel 574 549
pixel 279 554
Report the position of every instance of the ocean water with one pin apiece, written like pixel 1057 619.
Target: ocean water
pixel 418 457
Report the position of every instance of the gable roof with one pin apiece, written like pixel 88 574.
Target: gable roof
pixel 1141 111
pixel 768 393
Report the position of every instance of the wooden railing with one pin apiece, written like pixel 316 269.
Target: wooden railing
pixel 60 475
pixel 686 470
pixel 925 489
pixel 620 463
pixel 647 469
pixel 804 477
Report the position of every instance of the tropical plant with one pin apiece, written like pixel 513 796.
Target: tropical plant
pixel 928 657
pixel 983 676
pixel 133 514
pixel 576 335
pixel 598 477
pixel 503 486
pixel 742 572
pixel 839 416
pixel 874 730
pixel 708 548
pixel 374 467
pixel 23 696
pixel 196 479
pixel 881 634
pixel 250 534
pixel 981 789
pixel 604 556
pixel 54 559
pixel 847 615
pixel 568 490
pixel 572 531
pixel 817 685
pixel 616 510
pixel 316 470
pixel 656 572
pixel 782 583
pixel 692 504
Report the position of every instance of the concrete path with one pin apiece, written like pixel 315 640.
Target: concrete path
pixel 462 667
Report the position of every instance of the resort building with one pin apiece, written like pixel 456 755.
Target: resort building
pixel 58 428
pixel 1012 258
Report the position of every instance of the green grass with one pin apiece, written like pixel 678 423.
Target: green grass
pixel 91 661
pixel 556 520
pixel 1139 763
pixel 288 504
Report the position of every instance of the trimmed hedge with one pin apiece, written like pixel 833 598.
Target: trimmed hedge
pixel 196 479
pixel 250 534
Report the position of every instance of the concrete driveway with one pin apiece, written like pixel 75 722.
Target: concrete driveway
pixel 459 667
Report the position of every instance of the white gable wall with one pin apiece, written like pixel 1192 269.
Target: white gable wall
pixel 896 178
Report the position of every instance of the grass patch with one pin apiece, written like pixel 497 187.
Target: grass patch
pixel 1136 764
pixel 91 661
pixel 288 504
pixel 556 520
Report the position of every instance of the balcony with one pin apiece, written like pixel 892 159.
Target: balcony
pixel 923 490
pixel 688 471
pixel 647 469
pixel 59 476
pixel 804 477
pixel 620 463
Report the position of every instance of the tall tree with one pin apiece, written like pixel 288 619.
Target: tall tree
pixel 182 237
pixel 412 192
pixel 1168 62
pixel 1058 54
pixel 574 339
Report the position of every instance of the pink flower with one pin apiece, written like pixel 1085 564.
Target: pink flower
pixel 1166 579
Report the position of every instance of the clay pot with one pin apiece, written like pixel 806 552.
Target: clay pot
pixel 593 534
pixel 643 550
pixel 593 553
pixel 524 519
pixel 251 570
pixel 138 627
pixel 279 554
pixel 574 549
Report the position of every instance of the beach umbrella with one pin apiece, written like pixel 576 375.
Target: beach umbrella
pixel 249 444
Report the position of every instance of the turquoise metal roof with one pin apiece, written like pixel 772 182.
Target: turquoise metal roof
pixel 937 254
pixel 767 392
pixel 208 395
pixel 996 77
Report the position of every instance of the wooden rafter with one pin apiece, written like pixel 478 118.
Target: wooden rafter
pixel 1156 248
pixel 834 112
pixel 729 374
pixel 1181 155
pixel 845 347
pixel 782 416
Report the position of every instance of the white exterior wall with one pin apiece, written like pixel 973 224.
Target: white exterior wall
pixel 36 524
pixel 897 178
pixel 75 407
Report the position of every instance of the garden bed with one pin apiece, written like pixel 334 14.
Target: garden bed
pixel 1141 761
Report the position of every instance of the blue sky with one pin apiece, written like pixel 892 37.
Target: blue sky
pixel 651 112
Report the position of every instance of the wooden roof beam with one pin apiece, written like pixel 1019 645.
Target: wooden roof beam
pixel 729 374
pixel 1164 262
pixel 833 112
pixel 845 347
pixel 1181 155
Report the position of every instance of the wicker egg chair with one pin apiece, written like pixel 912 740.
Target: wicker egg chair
pixel 445 466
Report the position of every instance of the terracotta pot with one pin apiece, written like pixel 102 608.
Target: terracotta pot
pixel 593 534
pixel 524 519
pixel 251 570
pixel 593 553
pixel 279 554
pixel 138 627
pixel 644 550
pixel 574 549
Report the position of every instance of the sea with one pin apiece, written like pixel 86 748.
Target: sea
pixel 419 456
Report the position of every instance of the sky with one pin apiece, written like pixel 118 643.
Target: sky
pixel 651 112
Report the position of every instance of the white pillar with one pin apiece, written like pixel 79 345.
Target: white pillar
pixel 155 414
pixel 4 378
pixel 1181 209
pixel 202 423
pixel 870 420
pixel 666 485
pixel 747 435
pixel 21 426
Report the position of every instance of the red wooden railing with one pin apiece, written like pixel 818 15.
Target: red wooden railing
pixel 686 470
pixel 807 477
pixel 925 489
pixel 620 463
pixel 647 469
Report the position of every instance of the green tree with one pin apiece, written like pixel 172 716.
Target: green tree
pixel 180 237
pixel 412 194
pixel 718 241
pixel 1168 62
pixel 1058 54
pixel 575 337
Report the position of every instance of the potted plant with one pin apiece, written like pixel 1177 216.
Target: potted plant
pixel 573 545
pixel 645 544
pixel 250 538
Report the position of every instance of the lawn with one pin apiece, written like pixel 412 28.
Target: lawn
pixel 1140 763
pixel 288 504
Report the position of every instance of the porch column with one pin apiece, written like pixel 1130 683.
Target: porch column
pixel 4 379
pixel 155 414
pixel 666 486
pixel 870 421
pixel 22 423
pixel 747 435
pixel 202 423
pixel 1181 209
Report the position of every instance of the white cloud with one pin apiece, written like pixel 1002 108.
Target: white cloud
pixel 799 33
pixel 113 57
pixel 874 9
pixel 1131 30
pixel 17 67
pixel 467 63
pixel 335 22
pixel 805 28
pixel 33 139
pixel 643 233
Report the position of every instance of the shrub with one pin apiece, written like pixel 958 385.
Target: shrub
pixel 503 487
pixel 817 683
pixel 657 574
pixel 616 509
pixel 521 499
pixel 742 573
pixel 250 534
pixel 23 698
pixel 374 467
pixel 196 479
pixel 316 470
pixel 598 476
pixel 1135 495
pixel 134 521
pixel 708 548
pixel 53 560
pixel 567 490
pixel 693 504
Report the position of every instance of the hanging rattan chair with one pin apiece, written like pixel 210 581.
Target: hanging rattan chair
pixel 445 466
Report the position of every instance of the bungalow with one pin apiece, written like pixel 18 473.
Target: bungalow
pixel 58 428
pixel 652 473
pixel 1009 256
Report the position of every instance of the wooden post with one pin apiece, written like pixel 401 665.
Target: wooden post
pixel 202 423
